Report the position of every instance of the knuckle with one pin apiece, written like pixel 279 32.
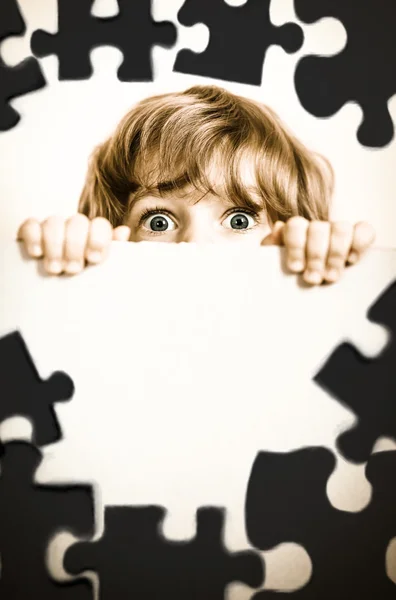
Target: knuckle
pixel 335 261
pixel 341 227
pixel 295 253
pixel 364 232
pixel 123 229
pixel 31 222
pixel 78 219
pixel 27 230
pixel 100 232
pixel 336 254
pixel 295 228
pixel 76 232
pixel 53 221
pixel 315 264
pixel 319 227
pixel 101 222
pixel 364 225
pixel 315 254
pixel 297 220
pixel 74 242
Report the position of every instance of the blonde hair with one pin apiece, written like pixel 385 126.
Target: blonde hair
pixel 169 141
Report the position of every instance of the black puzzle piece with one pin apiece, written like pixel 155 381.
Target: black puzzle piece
pixel 239 39
pixel 366 386
pixel 133 31
pixel 30 515
pixel 287 502
pixel 24 394
pixel 364 72
pixel 20 79
pixel 134 559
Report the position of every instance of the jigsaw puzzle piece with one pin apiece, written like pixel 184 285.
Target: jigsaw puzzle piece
pixel 133 31
pixel 25 394
pixel 364 72
pixel 287 500
pixel 366 386
pixel 233 28
pixel 133 558
pixel 20 79
pixel 30 514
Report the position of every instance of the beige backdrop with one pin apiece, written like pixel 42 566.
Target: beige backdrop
pixel 237 339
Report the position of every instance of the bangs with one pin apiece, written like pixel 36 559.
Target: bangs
pixel 225 170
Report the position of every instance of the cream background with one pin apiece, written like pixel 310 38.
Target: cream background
pixel 218 313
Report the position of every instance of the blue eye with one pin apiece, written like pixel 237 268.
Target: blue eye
pixel 159 223
pixel 239 221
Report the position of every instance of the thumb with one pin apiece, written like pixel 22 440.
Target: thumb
pixel 121 234
pixel 275 237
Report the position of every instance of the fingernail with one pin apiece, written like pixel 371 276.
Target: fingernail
pixel 94 256
pixel 74 266
pixel 332 274
pixel 353 257
pixel 296 265
pixel 54 266
pixel 35 250
pixel 313 277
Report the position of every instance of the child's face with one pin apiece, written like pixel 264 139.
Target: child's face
pixel 195 217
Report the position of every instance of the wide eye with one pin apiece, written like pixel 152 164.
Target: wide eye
pixel 239 220
pixel 159 222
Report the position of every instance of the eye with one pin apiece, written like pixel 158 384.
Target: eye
pixel 239 220
pixel 158 222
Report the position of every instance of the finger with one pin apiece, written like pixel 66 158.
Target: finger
pixel 76 236
pixel 30 234
pixel 99 238
pixel 121 234
pixel 295 238
pixel 318 240
pixel 277 233
pixel 363 238
pixel 340 243
pixel 53 237
pixel 275 237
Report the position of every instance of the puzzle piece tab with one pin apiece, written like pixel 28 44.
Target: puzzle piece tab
pixel 133 559
pixel 30 515
pixel 24 394
pixel 287 500
pixel 364 72
pixel 132 31
pixel 239 39
pixel 366 386
pixel 20 79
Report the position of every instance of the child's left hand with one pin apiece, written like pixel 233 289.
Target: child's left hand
pixel 320 249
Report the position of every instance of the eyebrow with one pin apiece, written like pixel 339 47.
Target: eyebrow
pixel 142 193
pixel 165 188
pixel 250 203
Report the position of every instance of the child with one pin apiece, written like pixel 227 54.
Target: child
pixel 204 165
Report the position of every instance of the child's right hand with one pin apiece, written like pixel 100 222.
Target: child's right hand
pixel 67 245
